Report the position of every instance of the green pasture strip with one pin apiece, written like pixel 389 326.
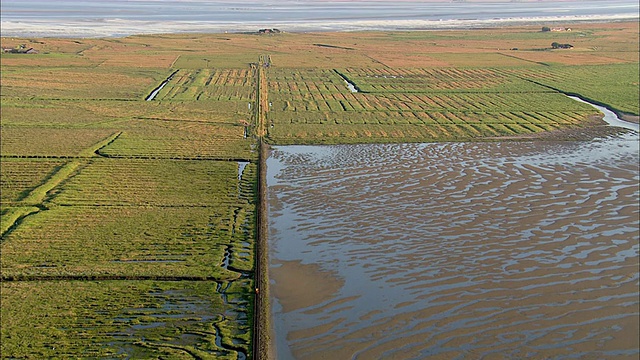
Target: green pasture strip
pixel 449 104
pixel 124 319
pixel 147 138
pixel 305 81
pixel 440 80
pixel 356 133
pixel 333 119
pixel 151 182
pixel 57 113
pixel 210 111
pixel 232 58
pixel 480 59
pixel 454 102
pixel 126 242
pixel 97 114
pixel 372 127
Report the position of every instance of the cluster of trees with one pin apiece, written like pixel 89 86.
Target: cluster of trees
pixel 546 28
pixel 20 49
pixel 555 45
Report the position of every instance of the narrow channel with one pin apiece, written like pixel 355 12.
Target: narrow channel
pixel 609 116
pixel 155 92
pixel 351 86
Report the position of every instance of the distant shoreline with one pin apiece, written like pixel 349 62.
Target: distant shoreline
pixel 122 28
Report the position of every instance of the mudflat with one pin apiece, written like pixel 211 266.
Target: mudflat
pixel 459 250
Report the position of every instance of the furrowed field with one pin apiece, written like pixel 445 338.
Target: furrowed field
pixel 414 105
pixel 129 166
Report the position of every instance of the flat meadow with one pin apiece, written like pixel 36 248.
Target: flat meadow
pixel 129 225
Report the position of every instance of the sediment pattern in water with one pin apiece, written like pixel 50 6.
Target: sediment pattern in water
pixel 459 250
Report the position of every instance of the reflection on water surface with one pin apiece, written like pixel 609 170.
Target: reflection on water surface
pixel 457 250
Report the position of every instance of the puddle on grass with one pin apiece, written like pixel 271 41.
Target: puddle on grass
pixel 180 318
pixel 241 166
pixel 148 325
pixel 455 250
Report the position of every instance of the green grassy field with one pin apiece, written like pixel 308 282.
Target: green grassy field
pixel 124 319
pixel 391 105
pixel 129 226
pixel 614 86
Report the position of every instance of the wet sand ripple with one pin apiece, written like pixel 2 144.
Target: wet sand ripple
pixel 448 251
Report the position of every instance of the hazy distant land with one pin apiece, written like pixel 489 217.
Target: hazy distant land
pixel 122 18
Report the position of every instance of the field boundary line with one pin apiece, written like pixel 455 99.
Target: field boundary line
pixel 261 308
pixel 174 61
pixel 95 149
pixel 33 202
pixel 12 218
pixel 525 60
pixel 38 195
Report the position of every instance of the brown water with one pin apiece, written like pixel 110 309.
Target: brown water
pixel 457 250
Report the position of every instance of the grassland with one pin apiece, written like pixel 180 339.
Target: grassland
pixel 413 105
pixel 129 226
pixel 113 319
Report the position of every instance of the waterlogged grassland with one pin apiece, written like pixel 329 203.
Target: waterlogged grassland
pixel 138 202
pixel 130 220
pixel 123 319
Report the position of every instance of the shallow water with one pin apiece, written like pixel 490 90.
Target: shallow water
pixel 80 18
pixel 456 250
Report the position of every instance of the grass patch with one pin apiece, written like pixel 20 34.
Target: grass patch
pixel 126 242
pixel 122 319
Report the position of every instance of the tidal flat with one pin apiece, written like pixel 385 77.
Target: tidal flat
pixel 452 251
